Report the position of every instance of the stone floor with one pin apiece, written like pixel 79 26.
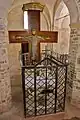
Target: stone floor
pixel 16 112
pixel 73 118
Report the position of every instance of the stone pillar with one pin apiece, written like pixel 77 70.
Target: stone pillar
pixel 73 87
pixel 5 86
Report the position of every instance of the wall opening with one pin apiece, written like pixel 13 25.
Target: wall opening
pixel 61 24
pixel 25 20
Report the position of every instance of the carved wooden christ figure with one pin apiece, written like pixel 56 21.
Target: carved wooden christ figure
pixel 33 39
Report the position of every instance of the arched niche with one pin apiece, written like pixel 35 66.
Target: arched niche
pixel 16 12
pixel 61 24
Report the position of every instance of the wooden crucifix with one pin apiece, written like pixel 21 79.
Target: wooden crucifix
pixel 33 40
pixel 33 36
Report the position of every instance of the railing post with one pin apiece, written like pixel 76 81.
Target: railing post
pixel 65 85
pixel 35 91
pixel 56 76
pixel 46 87
pixel 23 88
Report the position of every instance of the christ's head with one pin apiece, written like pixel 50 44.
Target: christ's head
pixel 33 32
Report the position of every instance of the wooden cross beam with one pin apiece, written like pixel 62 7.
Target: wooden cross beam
pixel 19 36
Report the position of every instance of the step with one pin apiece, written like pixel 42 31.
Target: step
pixel 57 116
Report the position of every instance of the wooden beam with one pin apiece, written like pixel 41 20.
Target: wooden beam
pixel 19 36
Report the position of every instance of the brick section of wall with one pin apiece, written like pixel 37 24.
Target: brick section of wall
pixel 5 86
pixel 72 59
pixel 76 82
pixel 73 83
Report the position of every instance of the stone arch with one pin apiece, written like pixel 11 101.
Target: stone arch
pixel 48 17
pixel 61 24
pixel 72 7
pixel 54 11
pixel 48 27
pixel 45 13
pixel 73 10
pixel 61 12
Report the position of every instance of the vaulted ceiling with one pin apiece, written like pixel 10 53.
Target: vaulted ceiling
pixel 51 5
pixel 50 8
pixel 47 2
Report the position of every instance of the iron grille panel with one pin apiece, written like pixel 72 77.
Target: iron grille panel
pixel 45 88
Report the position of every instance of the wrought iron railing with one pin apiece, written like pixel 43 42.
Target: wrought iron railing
pixel 60 57
pixel 44 87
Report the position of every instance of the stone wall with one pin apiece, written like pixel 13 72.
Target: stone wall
pixel 73 83
pixel 72 57
pixel 76 80
pixel 14 61
pixel 5 86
